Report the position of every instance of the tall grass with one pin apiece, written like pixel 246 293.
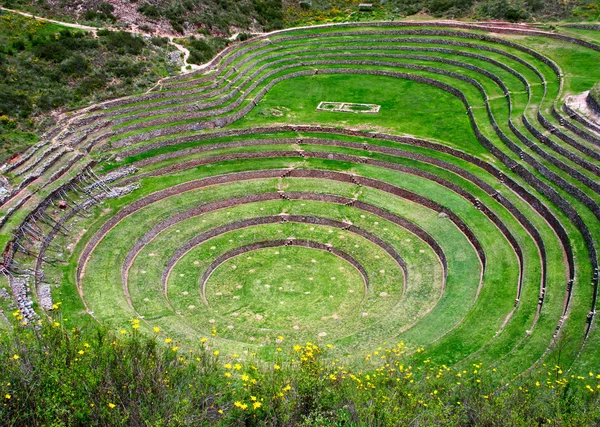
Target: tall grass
pixel 55 375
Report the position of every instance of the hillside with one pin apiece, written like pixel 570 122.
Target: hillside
pixel 225 17
pixel 46 68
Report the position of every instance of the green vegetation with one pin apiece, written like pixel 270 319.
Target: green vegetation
pixel 203 50
pixel 45 68
pixel 216 16
pixel 595 93
pixel 224 17
pixel 91 377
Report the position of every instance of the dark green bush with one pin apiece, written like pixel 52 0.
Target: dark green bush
pixel 177 27
pixel 501 9
pixel 203 50
pixel 595 93
pixel 149 10
pixel 18 45
pixel 14 102
pixel 159 41
pixel 90 84
pixel 125 67
pixel 123 42
pixel 75 65
pixel 200 52
pixel 270 13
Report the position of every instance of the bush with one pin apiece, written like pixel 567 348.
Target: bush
pixel 501 10
pixel 14 102
pixel 89 85
pixel 149 10
pixel 53 375
pixel 18 45
pixel 54 99
pixel 124 42
pixel 177 27
pixel 159 41
pixel 125 67
pixel 202 51
pixel 595 93
pixel 270 14
pixel 75 65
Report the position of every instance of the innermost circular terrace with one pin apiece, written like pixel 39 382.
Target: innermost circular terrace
pixel 285 288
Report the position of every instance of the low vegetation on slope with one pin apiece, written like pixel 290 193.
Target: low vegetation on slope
pixel 91 377
pixel 45 67
pixel 222 17
pixel 595 93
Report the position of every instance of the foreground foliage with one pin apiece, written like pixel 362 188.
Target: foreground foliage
pixel 54 375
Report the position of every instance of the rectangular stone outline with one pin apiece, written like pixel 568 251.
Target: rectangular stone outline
pixel 346 107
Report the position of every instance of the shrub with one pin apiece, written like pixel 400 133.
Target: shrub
pixel 177 27
pixel 54 99
pixel 14 102
pixel 75 65
pixel 149 10
pixel 125 67
pixel 270 14
pixel 90 84
pixel 159 41
pixel 595 93
pixel 124 42
pixel 18 45
pixel 501 10
pixel 203 50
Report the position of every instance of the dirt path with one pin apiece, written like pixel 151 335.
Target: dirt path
pixel 66 24
pixel 185 67
pixel 578 103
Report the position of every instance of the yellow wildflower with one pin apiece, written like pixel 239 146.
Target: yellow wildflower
pixel 240 405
